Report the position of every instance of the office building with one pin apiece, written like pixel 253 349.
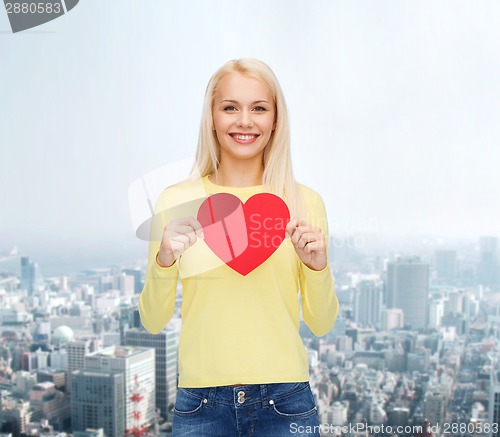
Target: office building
pixel 138 367
pixel 408 289
pixel 165 345
pixel 368 303
pixel 488 261
pixel 31 277
pixel 98 401
pixel 129 318
pixel 76 351
pixel 434 407
pixel 445 263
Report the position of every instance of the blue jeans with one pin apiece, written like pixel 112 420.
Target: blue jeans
pixel 257 410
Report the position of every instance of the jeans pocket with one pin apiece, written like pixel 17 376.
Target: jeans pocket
pixel 298 404
pixel 187 403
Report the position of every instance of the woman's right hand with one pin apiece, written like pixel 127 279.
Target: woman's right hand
pixel 178 235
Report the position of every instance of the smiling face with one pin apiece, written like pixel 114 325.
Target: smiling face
pixel 243 118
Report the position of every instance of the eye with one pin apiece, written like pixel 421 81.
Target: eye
pixel 260 108
pixel 230 108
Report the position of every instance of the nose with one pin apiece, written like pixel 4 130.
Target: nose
pixel 245 120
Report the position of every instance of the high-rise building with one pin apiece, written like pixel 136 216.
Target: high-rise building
pixel 436 311
pixel 455 302
pixel 76 352
pixel 408 289
pixel 368 302
pixel 129 318
pixel 434 408
pixel 137 364
pixel 30 275
pixel 446 264
pixel 488 261
pixel 165 344
pixel 494 403
pixel 98 401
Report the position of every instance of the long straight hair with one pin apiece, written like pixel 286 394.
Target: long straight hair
pixel 278 174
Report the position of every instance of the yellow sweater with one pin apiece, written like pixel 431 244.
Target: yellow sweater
pixel 236 329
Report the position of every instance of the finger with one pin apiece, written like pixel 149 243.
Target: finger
pixel 306 238
pixel 302 222
pixel 165 239
pixel 196 226
pixel 290 227
pixel 186 230
pixel 179 229
pixel 182 239
pixel 299 231
pixel 315 246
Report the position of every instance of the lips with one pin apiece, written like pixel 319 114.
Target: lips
pixel 244 138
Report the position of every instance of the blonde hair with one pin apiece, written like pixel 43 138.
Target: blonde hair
pixel 278 175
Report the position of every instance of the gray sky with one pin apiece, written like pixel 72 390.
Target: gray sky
pixel 395 109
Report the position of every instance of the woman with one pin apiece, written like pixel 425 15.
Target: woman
pixel 243 368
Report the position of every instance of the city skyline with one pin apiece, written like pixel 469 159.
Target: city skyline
pixel 415 340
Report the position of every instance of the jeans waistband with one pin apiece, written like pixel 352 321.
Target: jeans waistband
pixel 244 395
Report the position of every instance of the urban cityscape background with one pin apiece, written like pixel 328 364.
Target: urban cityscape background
pixel 416 344
pixel 394 110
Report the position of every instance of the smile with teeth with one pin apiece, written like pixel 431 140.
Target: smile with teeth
pixel 244 138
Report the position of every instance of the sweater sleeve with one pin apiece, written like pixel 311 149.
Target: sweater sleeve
pixel 157 299
pixel 320 305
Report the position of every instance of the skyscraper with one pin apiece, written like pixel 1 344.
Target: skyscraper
pixel 434 407
pixel 134 363
pixel 488 261
pixel 368 303
pixel 97 401
pixel 445 262
pixel 129 318
pixel 76 352
pixel 30 275
pixel 165 344
pixel 408 289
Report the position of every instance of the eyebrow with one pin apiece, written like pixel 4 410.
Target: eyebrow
pixel 253 103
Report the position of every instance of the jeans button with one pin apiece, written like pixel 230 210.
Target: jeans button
pixel 241 397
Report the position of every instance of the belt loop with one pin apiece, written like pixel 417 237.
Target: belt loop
pixel 263 396
pixel 211 396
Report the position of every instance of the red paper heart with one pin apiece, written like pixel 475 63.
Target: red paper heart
pixel 243 235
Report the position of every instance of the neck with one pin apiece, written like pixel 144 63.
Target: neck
pixel 238 174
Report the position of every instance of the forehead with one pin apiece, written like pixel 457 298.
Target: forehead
pixel 235 86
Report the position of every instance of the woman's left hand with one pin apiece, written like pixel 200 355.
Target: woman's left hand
pixel 309 243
